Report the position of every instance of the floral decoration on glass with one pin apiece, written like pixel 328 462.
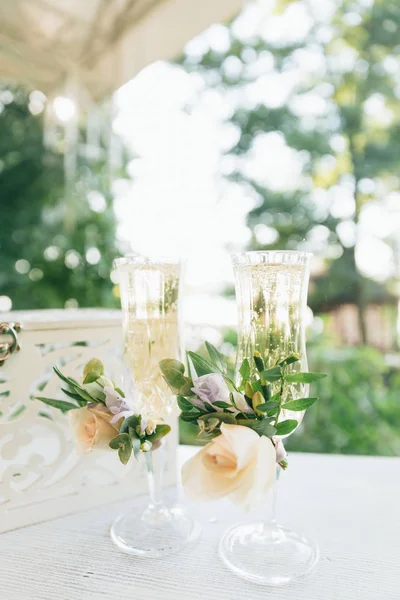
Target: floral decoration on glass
pixel 243 424
pixel 101 417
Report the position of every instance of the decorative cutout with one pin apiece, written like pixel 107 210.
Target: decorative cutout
pixel 41 477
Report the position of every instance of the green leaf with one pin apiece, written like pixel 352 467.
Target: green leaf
pixel 304 377
pixel 300 404
pixel 289 360
pixel 95 391
pixel 91 377
pixel 245 370
pixel 64 378
pixel 273 374
pixel 222 404
pixel 119 391
pixel 74 385
pixel 136 443
pixel 132 421
pixel 190 417
pixel 209 408
pixel 173 371
pixel 60 404
pixel 93 366
pixel 259 362
pixel 267 406
pixel 216 357
pixel 260 426
pixel 123 443
pixel 285 427
pixel 256 385
pixel 202 365
pixel 266 392
pixel 82 393
pixel 75 397
pixel 160 432
pixel 212 424
pixel 223 417
pixel 183 403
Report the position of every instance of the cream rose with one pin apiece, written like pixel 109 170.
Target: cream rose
pixel 91 427
pixel 238 463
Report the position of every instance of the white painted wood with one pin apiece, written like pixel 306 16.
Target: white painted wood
pixel 40 475
pixel 349 504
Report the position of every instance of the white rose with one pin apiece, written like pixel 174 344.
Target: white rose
pixel 91 428
pixel 238 463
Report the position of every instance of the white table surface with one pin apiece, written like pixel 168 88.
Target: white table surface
pixel 351 505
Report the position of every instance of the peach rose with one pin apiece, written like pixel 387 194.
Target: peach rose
pixel 238 463
pixel 91 428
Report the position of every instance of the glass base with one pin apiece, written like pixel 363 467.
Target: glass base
pixel 154 531
pixel 267 554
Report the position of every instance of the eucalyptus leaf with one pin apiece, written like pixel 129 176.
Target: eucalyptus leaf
pixel 273 374
pixel 160 432
pixel 260 426
pixel 266 392
pixel 212 424
pixel 93 366
pixel 183 403
pixel 75 397
pixel 132 421
pixel 289 360
pixel 267 406
pixel 304 377
pixel 202 365
pixel 256 385
pixel 223 417
pixel 259 362
pixel 123 443
pixel 186 387
pixel 91 377
pixel 60 404
pixel 173 372
pixel 300 404
pixel 245 370
pixel 222 404
pixel 64 378
pixel 136 443
pixel 216 357
pixel 94 390
pixel 285 427
pixel 84 394
pixel 190 417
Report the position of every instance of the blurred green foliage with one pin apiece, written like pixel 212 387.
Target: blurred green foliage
pixel 341 119
pixel 358 411
pixel 67 242
pixel 348 147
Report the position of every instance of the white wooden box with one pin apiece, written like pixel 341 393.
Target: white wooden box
pixel 41 477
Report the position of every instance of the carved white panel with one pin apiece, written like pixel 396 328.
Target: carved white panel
pixel 41 476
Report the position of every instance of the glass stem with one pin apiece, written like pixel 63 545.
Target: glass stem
pixel 155 471
pixel 274 505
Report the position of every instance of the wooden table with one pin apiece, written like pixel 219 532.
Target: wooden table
pixel 351 505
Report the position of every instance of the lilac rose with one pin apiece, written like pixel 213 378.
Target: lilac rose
pixel 117 405
pixel 212 388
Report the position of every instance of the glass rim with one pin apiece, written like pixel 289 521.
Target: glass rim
pixel 142 260
pixel 277 256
